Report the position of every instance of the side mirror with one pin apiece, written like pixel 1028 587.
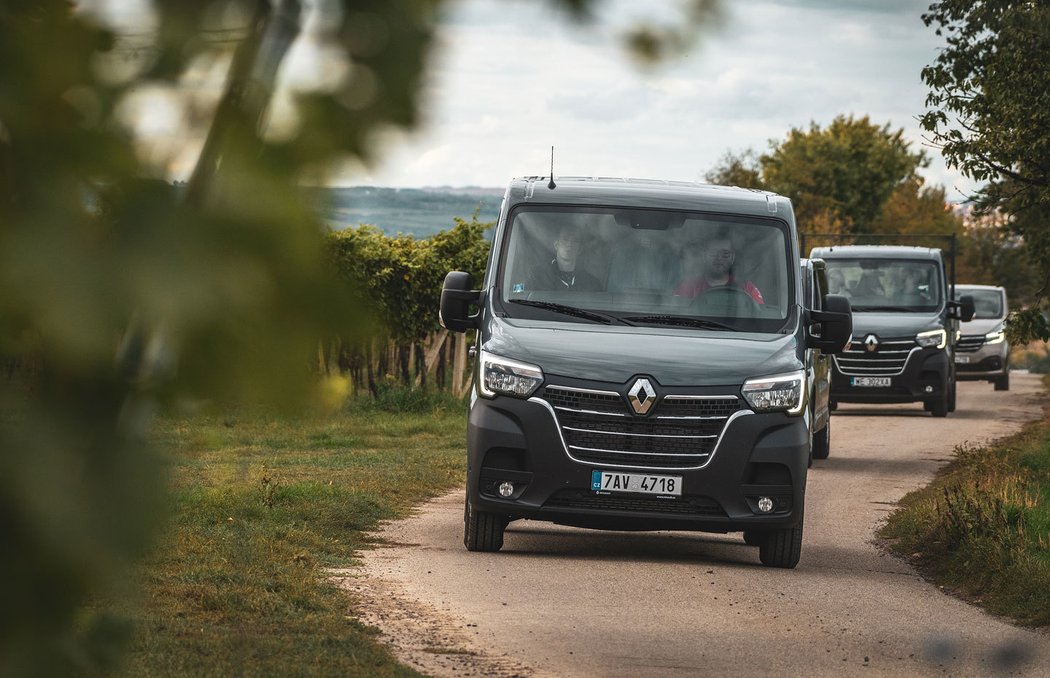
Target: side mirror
pixel 963 308
pixel 836 325
pixel 456 300
pixel 968 310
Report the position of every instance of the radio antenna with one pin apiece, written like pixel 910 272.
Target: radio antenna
pixel 552 185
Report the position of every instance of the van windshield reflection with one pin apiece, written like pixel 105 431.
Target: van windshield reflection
pixel 647 267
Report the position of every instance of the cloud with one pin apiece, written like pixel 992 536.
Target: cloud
pixel 513 78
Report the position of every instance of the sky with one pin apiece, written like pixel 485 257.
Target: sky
pixel 513 78
pixel 509 79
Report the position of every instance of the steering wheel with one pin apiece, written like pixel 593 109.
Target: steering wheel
pixel 727 295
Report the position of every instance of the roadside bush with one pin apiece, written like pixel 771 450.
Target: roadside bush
pixel 396 398
pixel 982 526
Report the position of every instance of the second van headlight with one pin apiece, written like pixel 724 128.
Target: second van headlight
pixel 932 339
pixel 503 376
pixel 995 337
pixel 779 393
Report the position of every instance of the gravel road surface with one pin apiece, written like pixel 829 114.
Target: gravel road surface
pixel 560 601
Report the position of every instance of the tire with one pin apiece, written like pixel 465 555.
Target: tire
pixel 822 442
pixel 753 537
pixel 782 548
pixel 482 530
pixel 832 405
pixel 938 406
pixel 951 397
pixel 1002 383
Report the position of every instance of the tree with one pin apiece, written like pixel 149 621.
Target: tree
pixel 991 255
pixel 119 294
pixel 914 209
pixel 850 170
pixel 737 169
pixel 987 111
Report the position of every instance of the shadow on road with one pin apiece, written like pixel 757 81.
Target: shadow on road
pixel 534 540
pixel 876 464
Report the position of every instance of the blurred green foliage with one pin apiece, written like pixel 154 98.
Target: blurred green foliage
pixel 118 294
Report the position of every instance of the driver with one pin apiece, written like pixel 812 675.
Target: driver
pixel 717 263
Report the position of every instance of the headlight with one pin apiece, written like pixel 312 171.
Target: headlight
pixel 783 392
pixel 995 337
pixel 932 339
pixel 503 376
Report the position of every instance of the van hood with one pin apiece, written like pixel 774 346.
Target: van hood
pixel 981 325
pixel 674 357
pixel 885 325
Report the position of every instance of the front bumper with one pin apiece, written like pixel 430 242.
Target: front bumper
pixel 987 362
pixel 923 377
pixel 520 441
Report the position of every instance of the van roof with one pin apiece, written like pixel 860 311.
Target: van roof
pixel 875 252
pixel 642 193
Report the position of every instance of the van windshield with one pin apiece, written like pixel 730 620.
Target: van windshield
pixel 646 267
pixel 887 285
pixel 988 304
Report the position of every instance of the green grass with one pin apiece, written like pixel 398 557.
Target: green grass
pixel 262 505
pixel 982 528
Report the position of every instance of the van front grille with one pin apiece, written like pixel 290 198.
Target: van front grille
pixel 681 432
pixel 968 343
pixel 887 360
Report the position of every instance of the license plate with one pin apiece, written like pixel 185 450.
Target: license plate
pixel 645 483
pixel 962 359
pixel 870 382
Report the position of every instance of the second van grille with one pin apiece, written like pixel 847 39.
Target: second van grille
pixel 887 360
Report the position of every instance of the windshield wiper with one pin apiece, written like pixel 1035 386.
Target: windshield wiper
pixel 887 309
pixel 682 320
pixel 570 310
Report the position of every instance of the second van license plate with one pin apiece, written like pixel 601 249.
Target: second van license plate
pixel 607 481
pixel 870 381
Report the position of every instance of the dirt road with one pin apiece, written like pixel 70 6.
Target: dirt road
pixel 571 602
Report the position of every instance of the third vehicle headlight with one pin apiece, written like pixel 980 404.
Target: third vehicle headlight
pixel 503 376
pixel 778 393
pixel 932 339
pixel 996 337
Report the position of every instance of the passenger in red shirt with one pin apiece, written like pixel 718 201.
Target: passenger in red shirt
pixel 718 261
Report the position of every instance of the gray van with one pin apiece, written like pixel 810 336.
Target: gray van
pixel 983 353
pixel 642 362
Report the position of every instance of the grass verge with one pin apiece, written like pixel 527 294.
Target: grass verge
pixel 982 528
pixel 262 505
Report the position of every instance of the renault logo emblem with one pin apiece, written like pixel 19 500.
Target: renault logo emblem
pixel 871 342
pixel 641 396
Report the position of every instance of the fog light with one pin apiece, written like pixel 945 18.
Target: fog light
pixel 929 389
pixel 765 504
pixel 506 488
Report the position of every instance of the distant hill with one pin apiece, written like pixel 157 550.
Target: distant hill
pixel 421 212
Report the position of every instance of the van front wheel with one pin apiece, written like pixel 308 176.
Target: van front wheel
pixel 782 548
pixel 482 530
